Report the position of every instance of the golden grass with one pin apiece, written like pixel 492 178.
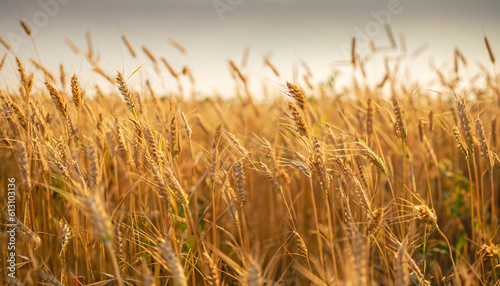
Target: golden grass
pixel 311 186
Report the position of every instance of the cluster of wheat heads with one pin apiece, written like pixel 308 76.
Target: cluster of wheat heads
pixel 314 186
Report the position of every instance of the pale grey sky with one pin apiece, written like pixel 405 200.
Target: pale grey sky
pixel 214 31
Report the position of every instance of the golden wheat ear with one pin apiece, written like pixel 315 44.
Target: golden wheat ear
pixel 77 93
pixel 126 94
pixel 129 47
pixel 297 94
pixel 168 252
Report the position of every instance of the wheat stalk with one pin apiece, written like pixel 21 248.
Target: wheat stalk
pixel 129 47
pixel 57 99
pixel 127 96
pixel 239 173
pixel 401 265
pixel 483 143
pixel 26 28
pixel 463 114
pixel 299 121
pixel 5 44
pixel 297 94
pixel 77 93
pixel 24 79
pixel 167 251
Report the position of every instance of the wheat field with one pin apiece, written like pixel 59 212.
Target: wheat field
pixel 385 184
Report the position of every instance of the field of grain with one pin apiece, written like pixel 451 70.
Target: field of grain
pixel 386 184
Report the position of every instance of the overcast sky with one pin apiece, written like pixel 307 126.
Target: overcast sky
pixel 213 31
